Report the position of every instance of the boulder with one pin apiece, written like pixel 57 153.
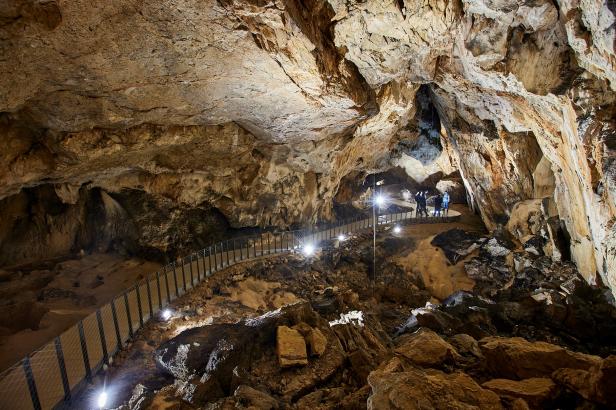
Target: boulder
pixel 517 358
pixel 204 358
pixel 290 347
pixel 596 384
pixel 429 389
pixel 457 243
pixel 535 391
pixel 317 342
pixel 466 345
pixel 255 399
pixel 426 348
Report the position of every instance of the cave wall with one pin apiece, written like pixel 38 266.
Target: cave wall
pixel 264 111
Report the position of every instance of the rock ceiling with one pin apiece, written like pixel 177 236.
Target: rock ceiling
pixel 260 109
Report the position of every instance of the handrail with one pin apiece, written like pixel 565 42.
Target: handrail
pixel 72 358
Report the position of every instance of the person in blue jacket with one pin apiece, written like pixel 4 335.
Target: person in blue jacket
pixel 445 203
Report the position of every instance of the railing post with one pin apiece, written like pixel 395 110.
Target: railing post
pixel 175 279
pixel 167 285
pixel 62 366
pixel 192 274
pixel 160 298
pixel 184 273
pixel 215 258
pixel 130 322
pixel 116 325
pixel 147 287
pixel 101 333
pixel 139 308
pixel 36 403
pixel 209 258
pixel 204 268
pixel 261 235
pixel 227 252
pixel 84 351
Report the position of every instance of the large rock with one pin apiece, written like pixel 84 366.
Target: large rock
pixel 597 383
pixel 429 389
pixel 518 358
pixel 427 349
pixel 205 359
pixel 457 243
pixel 535 391
pixel 291 347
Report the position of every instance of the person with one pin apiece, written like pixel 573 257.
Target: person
pixel 445 204
pixel 418 204
pixel 438 200
pixel 424 203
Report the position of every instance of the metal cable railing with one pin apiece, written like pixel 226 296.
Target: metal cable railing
pixel 48 377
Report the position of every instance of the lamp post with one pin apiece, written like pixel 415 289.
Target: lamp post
pixel 377 200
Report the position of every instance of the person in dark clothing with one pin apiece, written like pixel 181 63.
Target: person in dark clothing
pixel 438 201
pixel 418 210
pixel 424 203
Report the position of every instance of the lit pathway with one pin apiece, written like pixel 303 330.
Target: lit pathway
pixel 61 368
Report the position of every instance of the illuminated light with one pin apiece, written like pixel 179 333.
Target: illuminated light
pixel 308 249
pixel 397 229
pixel 341 237
pixel 102 399
pixel 379 200
pixel 166 314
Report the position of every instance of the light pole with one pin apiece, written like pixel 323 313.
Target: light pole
pixel 377 200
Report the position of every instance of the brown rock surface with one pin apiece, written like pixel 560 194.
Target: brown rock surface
pixel 597 383
pixel 426 348
pixel 417 389
pixel 317 342
pixel 518 358
pixel 291 347
pixel 262 111
pixel 535 391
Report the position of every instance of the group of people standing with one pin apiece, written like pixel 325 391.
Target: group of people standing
pixel 441 204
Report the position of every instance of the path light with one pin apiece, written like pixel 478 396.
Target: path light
pixel 397 229
pixel 166 314
pixel 341 237
pixel 308 249
pixel 101 401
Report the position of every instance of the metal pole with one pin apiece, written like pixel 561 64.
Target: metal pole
pixel 114 314
pixel 31 384
pixel 147 282
pixel 84 351
pixel 160 298
pixel 175 280
pixel 139 308
pixel 101 333
pixel 62 365
pixel 209 258
pixel 192 274
pixel 128 318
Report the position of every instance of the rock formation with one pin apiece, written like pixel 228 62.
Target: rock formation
pixel 263 112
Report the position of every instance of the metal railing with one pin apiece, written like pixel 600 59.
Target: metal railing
pixel 48 377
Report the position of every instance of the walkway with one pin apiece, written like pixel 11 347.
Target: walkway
pixel 49 377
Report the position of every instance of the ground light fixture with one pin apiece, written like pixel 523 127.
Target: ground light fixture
pixel 166 314
pixel 341 237
pixel 101 400
pixel 308 249
pixel 397 229
pixel 380 200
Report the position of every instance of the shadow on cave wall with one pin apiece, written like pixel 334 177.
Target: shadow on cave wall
pixel 37 225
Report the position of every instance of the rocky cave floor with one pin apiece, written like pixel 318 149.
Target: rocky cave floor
pixel 40 301
pixel 455 318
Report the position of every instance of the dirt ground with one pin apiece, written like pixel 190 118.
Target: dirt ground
pixel 39 304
